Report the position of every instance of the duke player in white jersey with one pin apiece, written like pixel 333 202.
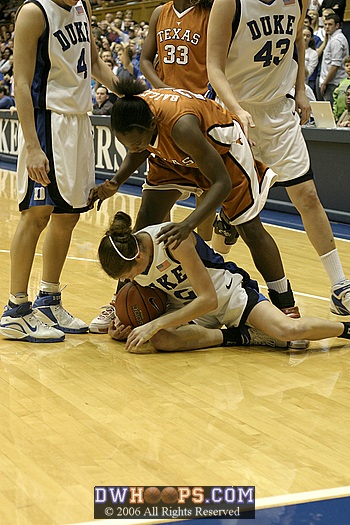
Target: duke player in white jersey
pixel 251 67
pixel 203 288
pixel 54 61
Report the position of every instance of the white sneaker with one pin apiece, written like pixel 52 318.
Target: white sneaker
pixel 258 338
pixel 21 323
pixel 340 298
pixel 100 324
pixel 50 311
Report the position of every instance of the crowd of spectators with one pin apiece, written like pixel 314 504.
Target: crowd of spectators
pixel 119 39
pixel 327 60
pixel 6 63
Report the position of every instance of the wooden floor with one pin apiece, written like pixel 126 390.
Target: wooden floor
pixel 84 412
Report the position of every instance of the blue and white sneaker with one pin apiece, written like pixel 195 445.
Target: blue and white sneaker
pixel 50 311
pixel 21 323
pixel 340 298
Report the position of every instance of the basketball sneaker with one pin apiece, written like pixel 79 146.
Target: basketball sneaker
pixel 248 336
pixel 223 227
pixel 258 338
pixel 20 322
pixel 340 298
pixel 100 324
pixel 49 309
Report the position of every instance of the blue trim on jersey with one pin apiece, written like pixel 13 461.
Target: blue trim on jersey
pixel 212 259
pixel 235 23
pixel 43 64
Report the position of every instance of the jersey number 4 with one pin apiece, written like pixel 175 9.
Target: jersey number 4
pixel 265 54
pixel 81 66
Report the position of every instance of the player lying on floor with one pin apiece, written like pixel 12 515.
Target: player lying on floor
pixel 203 288
pixel 199 146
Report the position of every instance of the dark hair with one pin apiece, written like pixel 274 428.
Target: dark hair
pixel 205 4
pixel 130 111
pixel 102 87
pixel 333 16
pixel 118 238
pixel 312 41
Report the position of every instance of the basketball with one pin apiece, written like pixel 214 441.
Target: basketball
pixel 169 495
pixel 152 495
pixel 136 305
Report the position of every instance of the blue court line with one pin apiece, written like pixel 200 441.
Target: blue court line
pixel 324 512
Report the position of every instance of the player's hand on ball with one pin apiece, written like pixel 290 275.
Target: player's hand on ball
pixel 139 336
pixel 173 234
pixel 118 331
pixel 101 192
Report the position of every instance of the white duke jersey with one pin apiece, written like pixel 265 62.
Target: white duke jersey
pixel 260 65
pixel 62 77
pixel 166 273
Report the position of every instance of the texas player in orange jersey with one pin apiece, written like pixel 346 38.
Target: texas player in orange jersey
pixel 208 144
pixel 174 52
pixel 174 55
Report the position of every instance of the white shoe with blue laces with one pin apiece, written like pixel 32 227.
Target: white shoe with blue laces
pixel 340 298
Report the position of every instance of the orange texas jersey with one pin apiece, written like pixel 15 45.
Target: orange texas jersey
pixel 181 45
pixel 215 122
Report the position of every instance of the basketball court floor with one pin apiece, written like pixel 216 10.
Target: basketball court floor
pixel 85 413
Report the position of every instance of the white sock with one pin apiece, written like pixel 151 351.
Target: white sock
pixel 279 286
pixel 333 267
pixel 19 298
pixel 49 287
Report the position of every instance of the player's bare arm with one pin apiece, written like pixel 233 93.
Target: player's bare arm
pixel 149 51
pixel 107 189
pixel 30 25
pixel 219 34
pixel 189 138
pixel 99 69
pixel 206 299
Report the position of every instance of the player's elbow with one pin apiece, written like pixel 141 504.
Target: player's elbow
pixel 211 302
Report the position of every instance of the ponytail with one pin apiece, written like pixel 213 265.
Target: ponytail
pixel 130 111
pixel 119 247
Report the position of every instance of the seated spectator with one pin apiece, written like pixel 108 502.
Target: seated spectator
pixel 339 104
pixel 6 102
pixel 103 105
pixel 311 56
pixel 344 120
pixel 112 96
pixel 338 7
pixel 6 61
pixel 127 69
pixel 317 29
pixel 117 34
pixel 107 56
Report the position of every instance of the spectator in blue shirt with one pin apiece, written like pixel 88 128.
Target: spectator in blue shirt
pixel 6 102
